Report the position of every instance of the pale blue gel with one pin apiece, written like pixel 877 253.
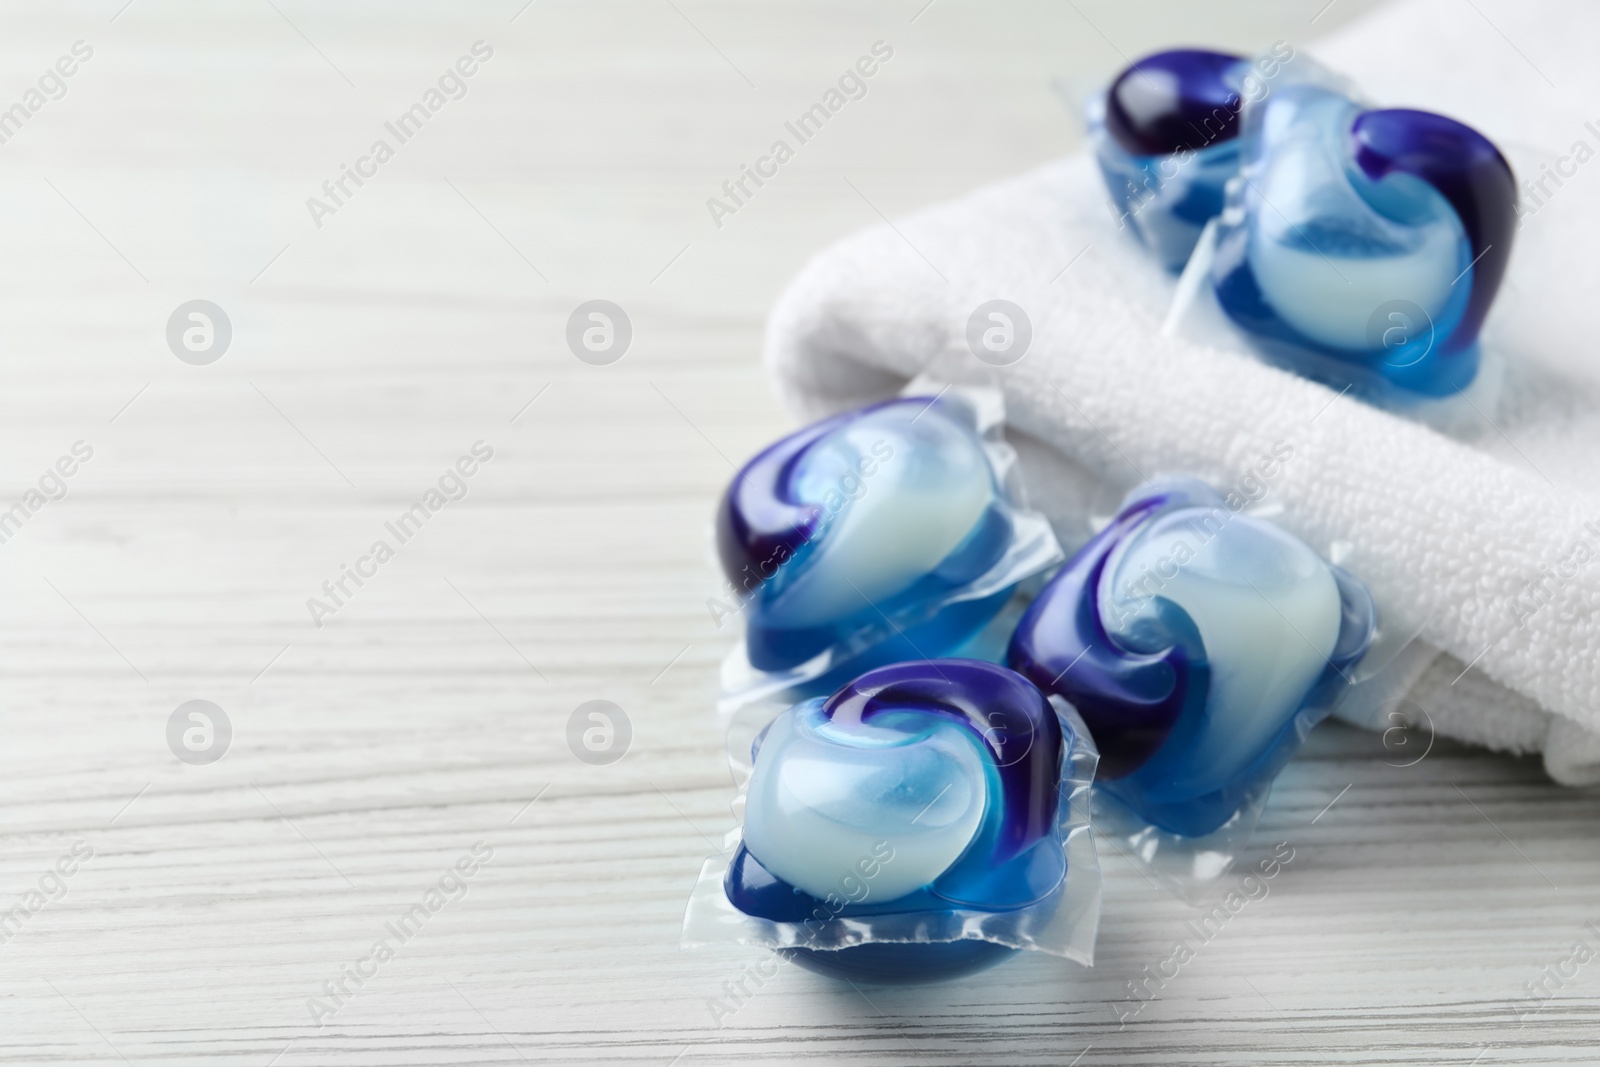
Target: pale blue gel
pixel 907 516
pixel 1328 245
pixel 1262 608
pixel 822 797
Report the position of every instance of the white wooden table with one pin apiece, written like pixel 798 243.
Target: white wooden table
pixel 209 904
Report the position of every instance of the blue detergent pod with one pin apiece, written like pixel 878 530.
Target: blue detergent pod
pixel 1199 644
pixel 1165 135
pixel 1363 248
pixel 874 536
pixel 913 826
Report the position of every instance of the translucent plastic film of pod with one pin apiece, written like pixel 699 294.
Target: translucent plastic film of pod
pixel 1359 246
pixel 927 820
pixel 1200 644
pixel 896 531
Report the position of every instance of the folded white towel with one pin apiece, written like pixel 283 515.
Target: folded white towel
pixel 1448 534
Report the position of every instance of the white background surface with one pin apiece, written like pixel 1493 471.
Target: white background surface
pixel 370 754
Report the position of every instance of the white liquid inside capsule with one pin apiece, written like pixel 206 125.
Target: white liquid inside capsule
pixel 1324 258
pixel 904 518
pixel 823 802
pixel 1267 611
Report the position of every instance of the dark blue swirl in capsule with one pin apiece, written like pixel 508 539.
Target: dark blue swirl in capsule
pixel 1469 172
pixel 1129 702
pixel 1198 643
pixel 860 518
pixel 1187 98
pixel 1165 137
pixel 759 525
